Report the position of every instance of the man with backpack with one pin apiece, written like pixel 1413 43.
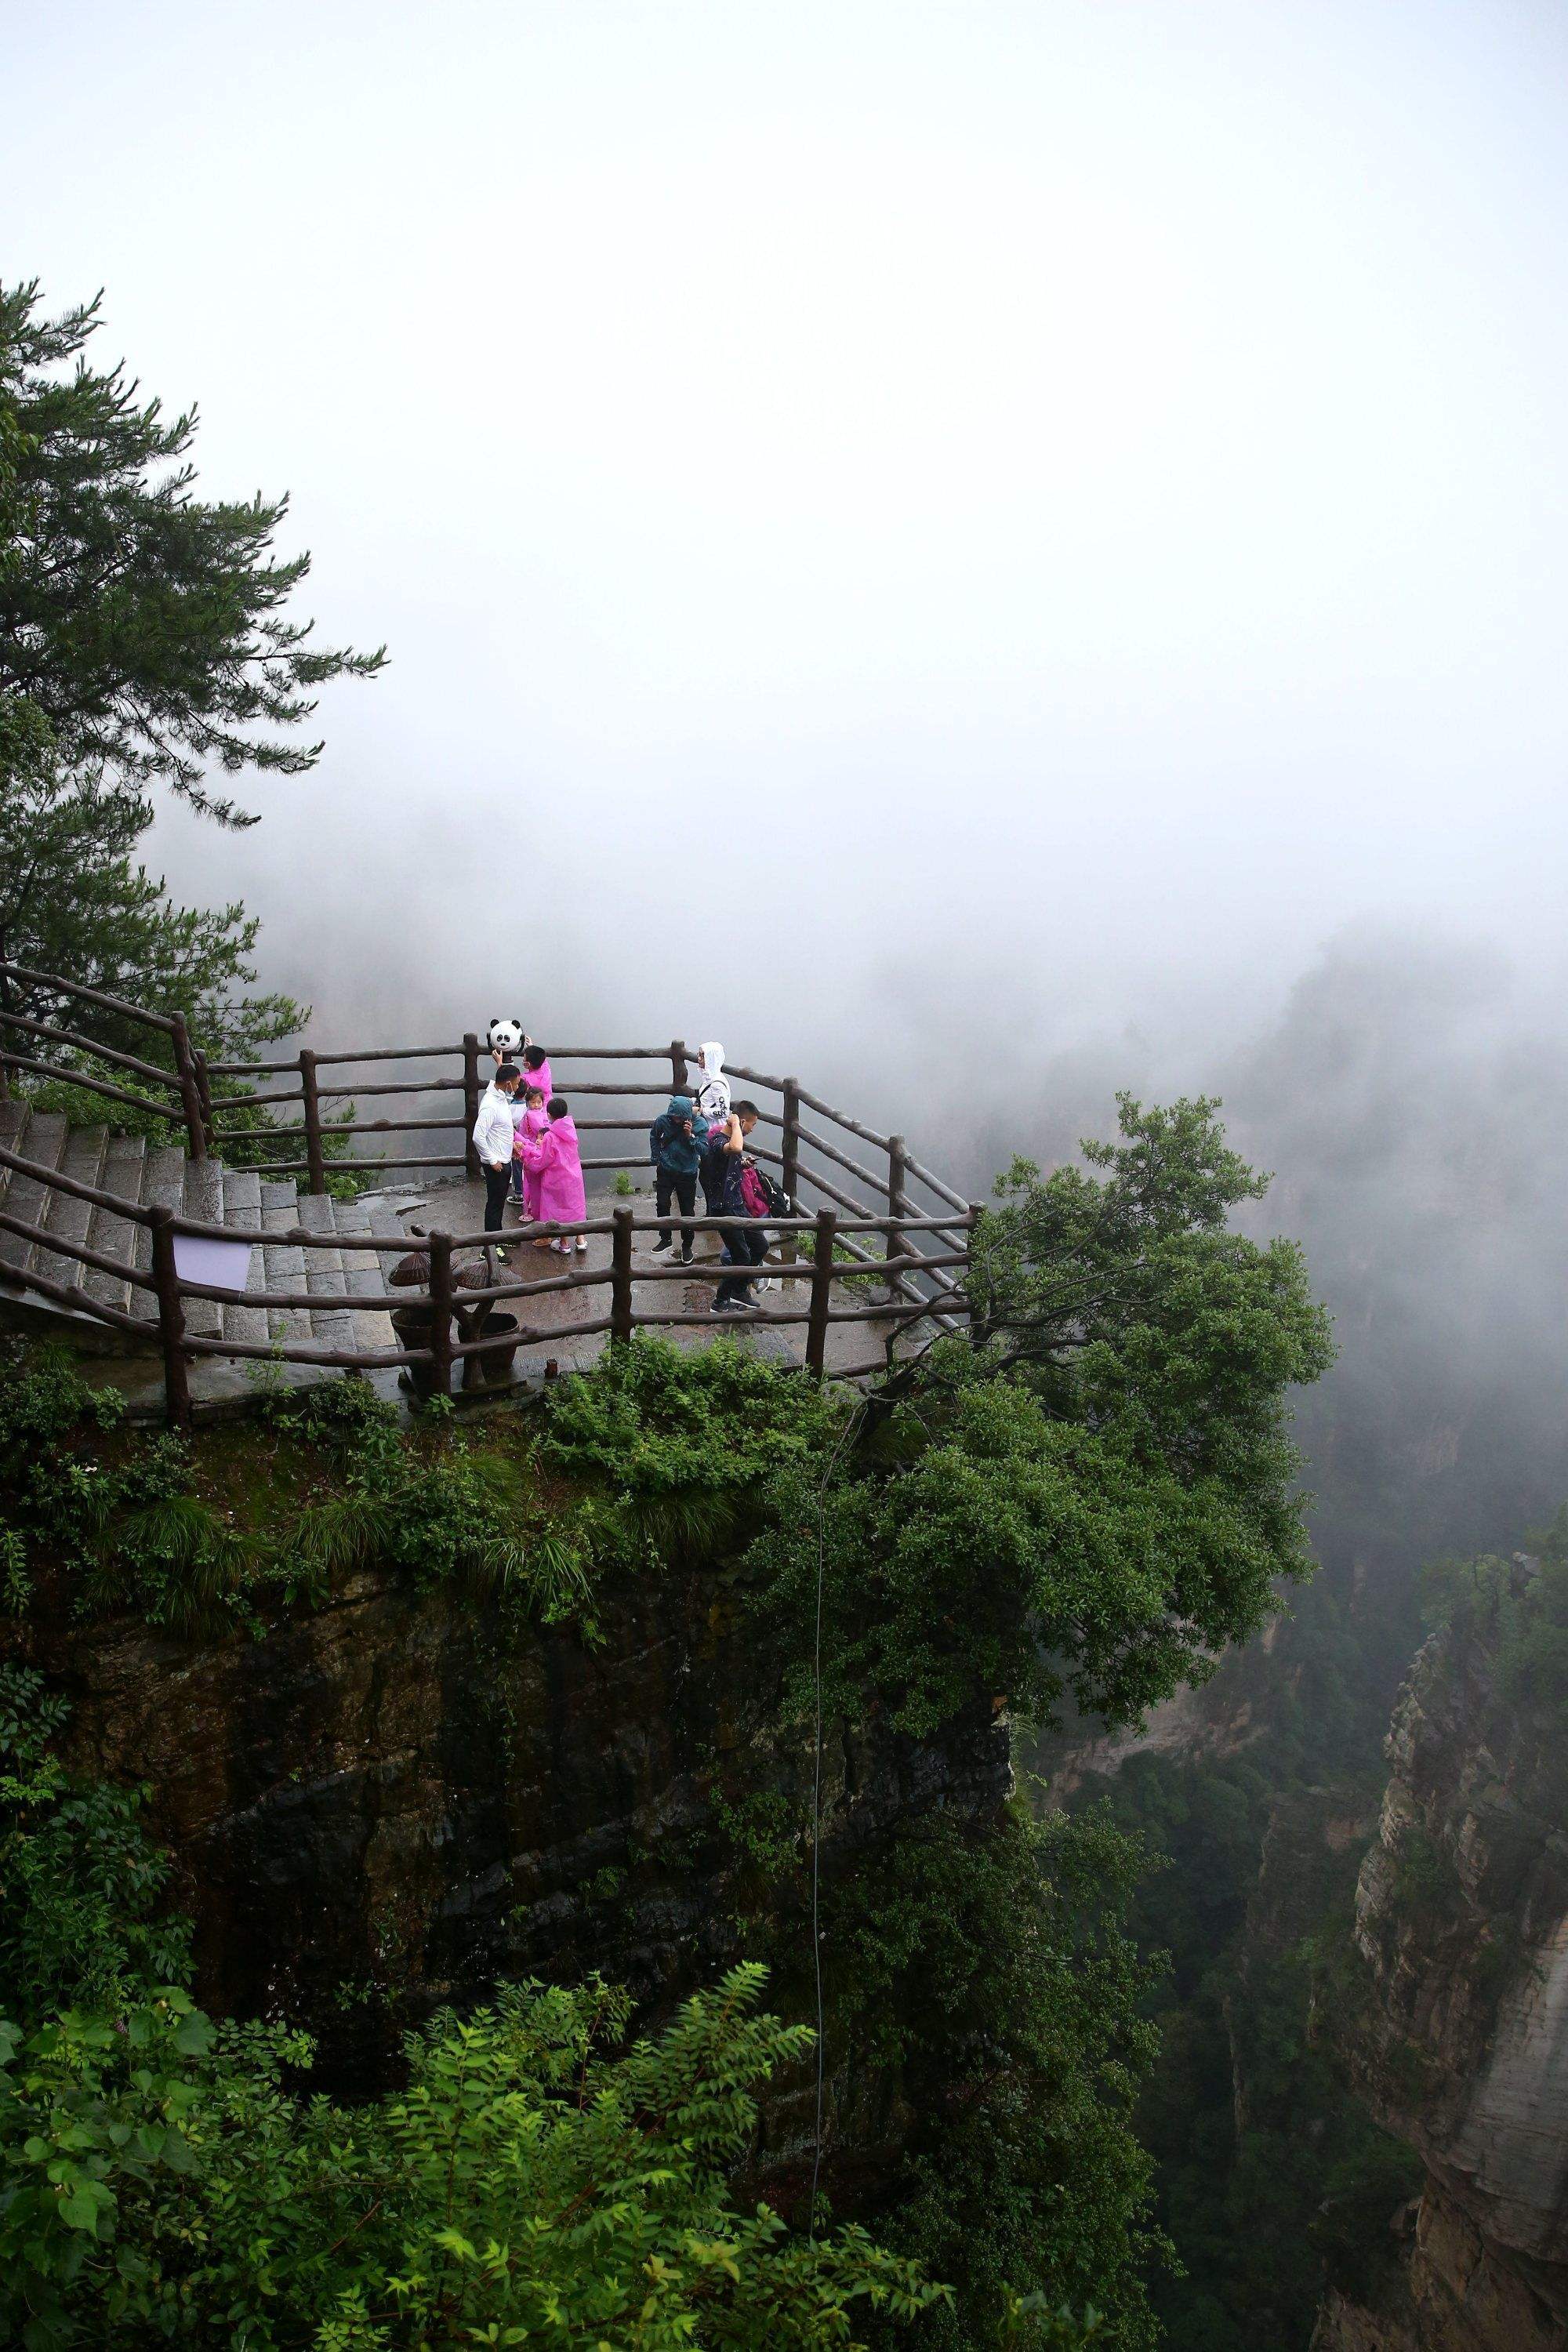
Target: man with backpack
pixel 743 1198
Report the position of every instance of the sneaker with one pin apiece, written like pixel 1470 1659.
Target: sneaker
pixel 686 1258
pixel 728 1307
pixel 659 1246
pixel 582 1243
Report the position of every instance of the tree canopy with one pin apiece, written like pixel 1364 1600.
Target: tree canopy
pixel 74 900
pixel 1101 1494
pixel 148 625
pixel 541 2176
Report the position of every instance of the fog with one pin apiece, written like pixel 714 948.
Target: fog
pixel 980 553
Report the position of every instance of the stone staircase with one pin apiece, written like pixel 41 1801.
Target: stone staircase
pixel 239 1198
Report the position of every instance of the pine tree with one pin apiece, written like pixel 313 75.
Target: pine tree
pixel 147 626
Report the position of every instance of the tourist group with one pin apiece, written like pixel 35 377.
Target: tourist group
pixel 527 1142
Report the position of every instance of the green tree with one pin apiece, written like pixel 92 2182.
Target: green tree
pixel 1099 1494
pixel 539 2179
pixel 74 900
pixel 149 627
pixel 989 1976
pixel 541 2176
pixel 82 1916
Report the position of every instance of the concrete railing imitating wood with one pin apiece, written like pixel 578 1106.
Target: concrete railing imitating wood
pixel 921 1284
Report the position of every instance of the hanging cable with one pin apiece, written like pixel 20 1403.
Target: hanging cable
pixel 851 1425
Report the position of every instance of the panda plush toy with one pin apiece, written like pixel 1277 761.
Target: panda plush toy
pixel 505 1038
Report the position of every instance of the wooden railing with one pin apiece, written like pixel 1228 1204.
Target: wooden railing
pixel 924 1241
pixel 187 1098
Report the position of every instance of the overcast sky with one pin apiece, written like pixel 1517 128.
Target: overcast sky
pixel 1095 470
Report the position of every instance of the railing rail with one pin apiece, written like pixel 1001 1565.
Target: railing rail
pixel 819 1250
pixel 188 1078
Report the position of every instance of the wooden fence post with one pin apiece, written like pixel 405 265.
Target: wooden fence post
pixel 621 1272
pixel 678 1072
pixel 315 1156
pixel 171 1319
pixel 204 1089
pixel 470 1104
pixel 190 1092
pixel 441 1314
pixel 823 1244
pixel 789 1174
pixel 898 1209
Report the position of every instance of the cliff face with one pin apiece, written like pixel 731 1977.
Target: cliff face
pixel 1460 2044
pixel 383 1804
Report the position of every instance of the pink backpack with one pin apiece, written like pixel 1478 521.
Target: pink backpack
pixel 753 1191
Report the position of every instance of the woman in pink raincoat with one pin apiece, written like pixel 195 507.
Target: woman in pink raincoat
pixel 554 1162
pixel 529 1121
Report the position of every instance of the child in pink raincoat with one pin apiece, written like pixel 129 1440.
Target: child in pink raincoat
pixel 529 1119
pixel 535 1066
pixel 554 1161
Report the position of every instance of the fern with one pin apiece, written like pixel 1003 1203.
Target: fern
pixel 546 1571
pixel 346 1532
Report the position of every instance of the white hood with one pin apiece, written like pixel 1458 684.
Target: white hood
pixel 713 1086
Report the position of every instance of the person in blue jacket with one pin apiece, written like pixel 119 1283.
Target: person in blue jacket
pixel 676 1142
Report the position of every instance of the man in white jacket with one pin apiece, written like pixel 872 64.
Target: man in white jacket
pixel 493 1142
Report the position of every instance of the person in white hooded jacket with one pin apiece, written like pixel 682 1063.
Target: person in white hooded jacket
pixel 712 1096
pixel 713 1104
pixel 713 1086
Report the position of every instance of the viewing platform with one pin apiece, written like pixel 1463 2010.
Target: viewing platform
pixel 179 1247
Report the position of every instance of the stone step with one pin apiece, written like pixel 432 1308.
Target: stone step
pixel 83 1161
pixel 24 1197
pixel 116 1236
pixel 202 1198
pixel 399 1240
pixel 13 1116
pixel 284 1261
pixel 361 1268
pixel 363 1271
pixel 163 1187
pixel 330 1326
pixel 242 1210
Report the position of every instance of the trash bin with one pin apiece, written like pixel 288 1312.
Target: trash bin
pixel 491 1365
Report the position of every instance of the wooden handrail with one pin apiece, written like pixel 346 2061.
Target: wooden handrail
pixel 163 1021
pixel 841 1119
pixel 202 1229
pixel 918 1281
pixel 89 1085
pixel 66 1245
pixel 71 1295
pixel 105 1053
pixel 943 1191
pixel 452 1053
pixel 842 1160
pixel 386 1302
pixel 54 1180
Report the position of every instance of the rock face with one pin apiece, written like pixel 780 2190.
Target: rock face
pixel 1460 2045
pixel 383 1804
